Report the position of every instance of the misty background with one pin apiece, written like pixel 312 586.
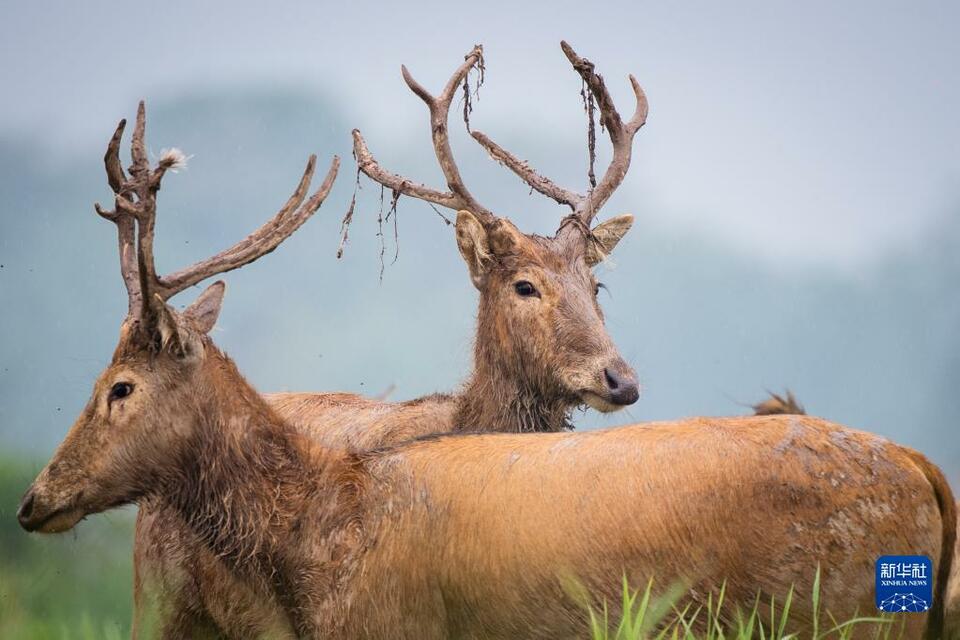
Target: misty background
pixel 795 188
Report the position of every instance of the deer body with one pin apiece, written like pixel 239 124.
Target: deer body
pixel 699 498
pixel 474 535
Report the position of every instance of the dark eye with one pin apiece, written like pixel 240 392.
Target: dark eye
pixel 598 286
pixel 525 289
pixel 120 390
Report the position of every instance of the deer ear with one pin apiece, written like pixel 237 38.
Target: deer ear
pixel 202 314
pixel 474 246
pixel 505 239
pixel 606 235
pixel 166 326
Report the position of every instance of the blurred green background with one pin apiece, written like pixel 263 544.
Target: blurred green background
pixel 796 193
pixel 73 586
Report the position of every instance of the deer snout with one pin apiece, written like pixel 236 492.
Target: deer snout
pixel 25 511
pixel 37 513
pixel 622 384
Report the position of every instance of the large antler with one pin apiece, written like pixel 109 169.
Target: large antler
pixel 585 206
pixel 458 197
pixel 135 211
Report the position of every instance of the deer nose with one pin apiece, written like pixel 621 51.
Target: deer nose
pixel 623 388
pixel 26 510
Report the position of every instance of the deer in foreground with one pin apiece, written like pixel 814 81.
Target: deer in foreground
pixel 540 350
pixel 472 535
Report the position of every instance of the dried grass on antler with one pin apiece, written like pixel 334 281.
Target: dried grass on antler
pixel 584 206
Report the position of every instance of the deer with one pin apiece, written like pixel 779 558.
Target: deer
pixel 465 534
pixel 540 350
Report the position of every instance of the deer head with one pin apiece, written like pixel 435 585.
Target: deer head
pixel 539 321
pixel 165 366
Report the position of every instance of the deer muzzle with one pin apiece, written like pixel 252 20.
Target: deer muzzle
pixel 37 514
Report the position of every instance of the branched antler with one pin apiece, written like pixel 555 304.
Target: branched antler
pixel 458 196
pixel 584 206
pixel 135 210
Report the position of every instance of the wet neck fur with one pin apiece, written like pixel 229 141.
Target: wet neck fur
pixel 502 396
pixel 246 482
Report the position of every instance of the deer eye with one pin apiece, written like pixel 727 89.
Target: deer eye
pixel 120 390
pixel 525 290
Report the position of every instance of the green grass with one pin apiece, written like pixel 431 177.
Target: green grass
pixel 75 586
pixel 645 617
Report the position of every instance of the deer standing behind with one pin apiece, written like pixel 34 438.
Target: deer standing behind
pixel 471 535
pixel 541 349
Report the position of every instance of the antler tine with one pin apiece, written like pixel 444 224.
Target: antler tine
pixel 459 197
pixel 262 241
pixel 528 174
pixel 621 135
pixel 145 187
pixel 111 159
pixel 642 109
pixel 126 228
pixel 372 169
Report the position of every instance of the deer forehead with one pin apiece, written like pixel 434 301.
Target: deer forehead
pixel 547 255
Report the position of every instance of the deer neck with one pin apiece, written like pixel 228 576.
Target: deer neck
pixel 503 396
pixel 251 488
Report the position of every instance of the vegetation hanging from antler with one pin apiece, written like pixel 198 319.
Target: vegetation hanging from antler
pixel 590 108
pixel 467 98
pixel 585 207
pixel 458 197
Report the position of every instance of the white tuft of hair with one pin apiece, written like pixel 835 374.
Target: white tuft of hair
pixel 173 159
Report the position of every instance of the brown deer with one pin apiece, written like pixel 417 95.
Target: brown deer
pixel 541 349
pixel 471 535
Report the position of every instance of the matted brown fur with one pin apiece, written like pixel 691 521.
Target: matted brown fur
pixel 476 535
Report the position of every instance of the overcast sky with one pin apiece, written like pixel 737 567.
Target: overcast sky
pixel 816 134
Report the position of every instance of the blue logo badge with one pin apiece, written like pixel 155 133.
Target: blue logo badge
pixel 904 583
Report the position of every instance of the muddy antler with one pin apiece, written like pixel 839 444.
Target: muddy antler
pixel 135 210
pixel 458 197
pixel 621 135
pixel 584 206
